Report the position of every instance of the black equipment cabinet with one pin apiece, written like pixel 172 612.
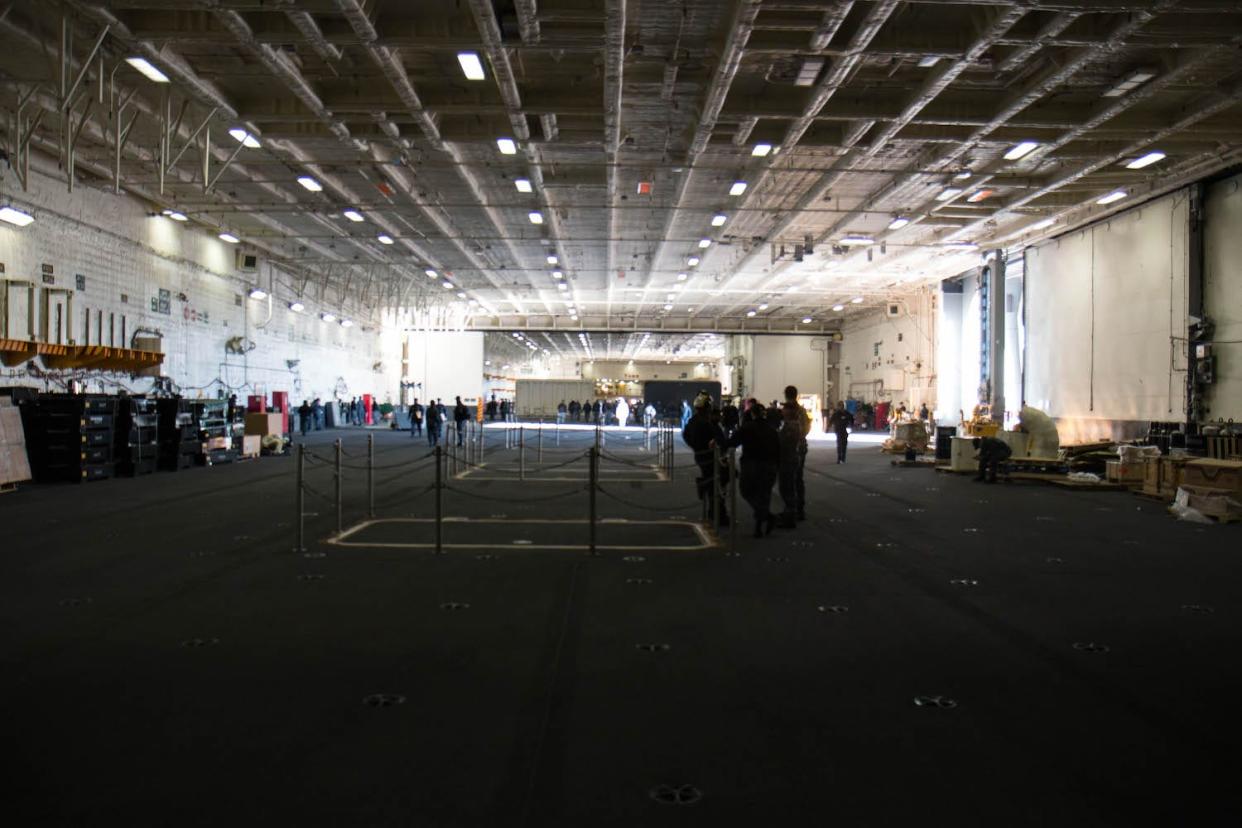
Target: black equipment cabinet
pixel 136 450
pixel 215 431
pixel 178 434
pixel 69 437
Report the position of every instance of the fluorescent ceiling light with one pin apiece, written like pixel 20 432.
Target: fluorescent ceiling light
pixel 552 260
pixel 857 300
pixel 668 307
pixel 175 216
pixel 431 274
pixel 963 175
pixel 704 244
pixel 898 223
pixel 763 306
pixel 562 286
pixel 1040 225
pixel 979 195
pixel 383 238
pixel 14 216
pixel 297 307
pixel 229 237
pixel 760 150
pixel 961 246
pixel 558 274
pixel 681 277
pixel 1131 81
pixel 461 296
pixel 857 241
pixel 258 293
pixel 693 261
pixel 838 308
pixel 574 317
pixel 310 183
pixel 523 185
pixel 327 317
pixel 144 66
pixel 448 285
pixel 345 323
pixel 806 320
pixel 750 313
pixel 535 217
pixel 471 66
pixel 1115 195
pixel 738 188
pixel 719 219
pixel 928 61
pixel 506 146
pixel 1146 160
pixel 353 215
pixel 948 193
pixel 244 138
pixel 1020 149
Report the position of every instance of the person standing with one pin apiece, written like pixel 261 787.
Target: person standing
pixel 701 435
pixel 490 408
pixel 434 420
pixel 649 416
pixel 574 411
pixel 416 418
pixel 598 411
pixel 623 412
pixel 317 414
pixel 802 422
pixel 304 417
pixel 730 417
pixel 460 415
pixel 686 414
pixel 841 422
pixel 761 450
pixel 561 411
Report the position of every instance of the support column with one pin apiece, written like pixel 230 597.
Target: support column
pixel 996 335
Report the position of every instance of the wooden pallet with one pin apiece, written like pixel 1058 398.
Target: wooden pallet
pixel 5 488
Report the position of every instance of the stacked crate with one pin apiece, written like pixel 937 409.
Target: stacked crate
pixel 69 437
pixel 137 436
pixel 215 431
pixel 178 434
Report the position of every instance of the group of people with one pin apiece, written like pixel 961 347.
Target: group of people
pixel 312 414
pixel 432 417
pixel 774 447
pixel 504 409
pixel 354 412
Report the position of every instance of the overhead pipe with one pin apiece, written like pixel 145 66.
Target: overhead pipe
pixel 305 23
pixel 614 67
pixel 830 24
pixel 1049 30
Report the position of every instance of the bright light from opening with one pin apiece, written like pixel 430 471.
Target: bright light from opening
pixel 506 146
pixel 258 293
pixel 353 215
pixel 1145 160
pixel 761 150
pixel 948 193
pixel 693 261
pixel 523 185
pixel 471 66
pixel 536 217
pixel 383 238
pixel 1115 195
pixel 14 216
pixel 552 260
pixel 719 219
pixel 297 307
pixel 1020 149
pixel 229 237
pixel 144 66
pixel 898 223
pixel 738 188
pixel 704 244
pixel 244 138
pixel 310 183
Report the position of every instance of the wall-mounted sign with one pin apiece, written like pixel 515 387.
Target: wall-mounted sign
pixel 49 279
pixel 79 281
pixel 162 303
pixel 124 298
pixel 46 268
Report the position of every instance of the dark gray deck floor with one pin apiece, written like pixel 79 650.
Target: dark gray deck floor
pixel 535 705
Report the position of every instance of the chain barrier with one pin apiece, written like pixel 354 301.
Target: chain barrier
pixel 619 499
pixel 507 499
pixel 613 458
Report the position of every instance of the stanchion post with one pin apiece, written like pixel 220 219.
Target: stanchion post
pixel 521 452
pixel 540 441
pixel 733 521
pixel 439 500
pixel 593 483
pixel 299 544
pixel 478 457
pixel 340 521
pixel 370 475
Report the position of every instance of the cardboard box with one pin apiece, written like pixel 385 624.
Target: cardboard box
pixel 1217 503
pixel 262 424
pixel 1123 471
pixel 14 464
pixel 251 445
pixel 1214 474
